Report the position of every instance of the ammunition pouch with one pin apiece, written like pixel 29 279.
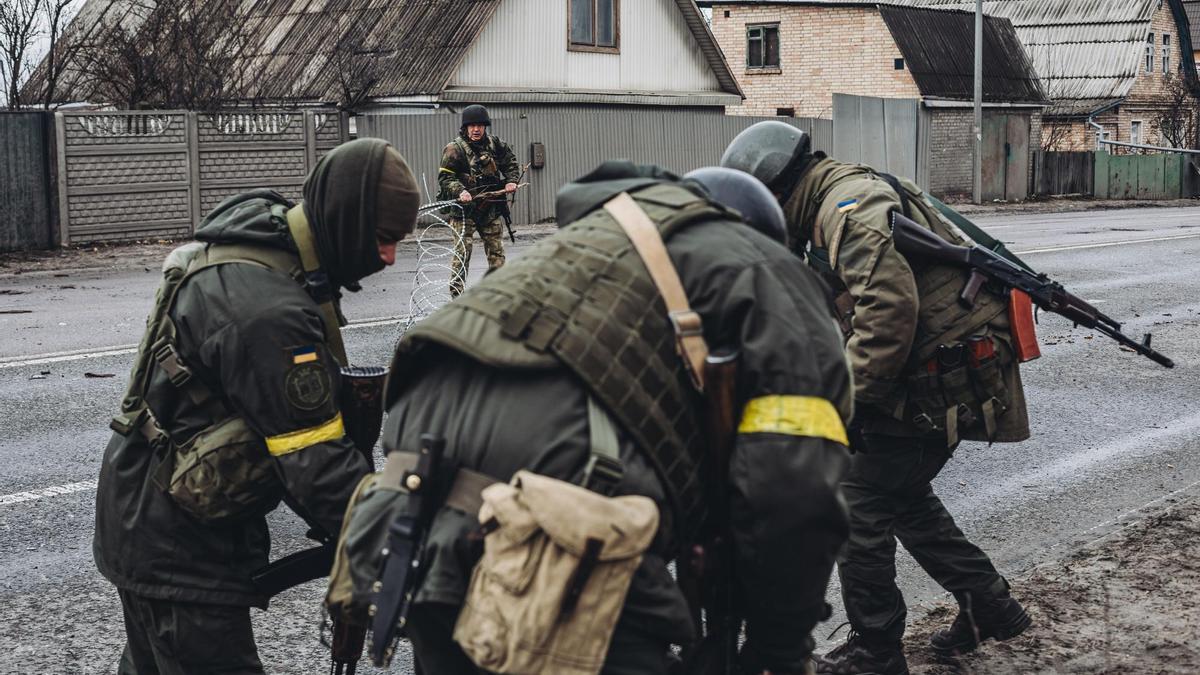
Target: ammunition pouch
pixel 224 472
pixel 961 387
pixel 558 561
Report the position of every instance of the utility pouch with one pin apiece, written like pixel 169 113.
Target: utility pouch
pixel 224 472
pixel 988 381
pixel 372 507
pixel 558 561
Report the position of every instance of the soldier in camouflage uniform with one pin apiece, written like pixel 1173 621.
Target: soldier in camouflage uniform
pixel 473 163
pixel 505 372
pixel 928 371
pixel 249 343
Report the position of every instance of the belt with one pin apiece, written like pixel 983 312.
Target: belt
pixel 465 493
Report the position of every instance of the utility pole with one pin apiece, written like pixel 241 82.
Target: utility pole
pixel 977 168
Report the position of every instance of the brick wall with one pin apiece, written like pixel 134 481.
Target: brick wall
pixel 950 151
pixel 822 50
pixel 1148 100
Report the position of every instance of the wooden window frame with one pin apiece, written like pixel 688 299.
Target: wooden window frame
pixel 593 47
pixel 1141 131
pixel 1149 64
pixel 765 67
pixel 1166 54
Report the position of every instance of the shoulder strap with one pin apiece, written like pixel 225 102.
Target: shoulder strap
pixel 604 469
pixel 891 180
pixel 316 279
pixel 689 333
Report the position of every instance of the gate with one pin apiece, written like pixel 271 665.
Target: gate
pixel 1005 157
pixel 25 188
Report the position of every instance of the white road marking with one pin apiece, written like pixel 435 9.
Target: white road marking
pixel 52 491
pixel 124 350
pixel 1076 247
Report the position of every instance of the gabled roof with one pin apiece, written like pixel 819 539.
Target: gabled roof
pixel 416 45
pixel 942 62
pixel 1087 52
pixel 1192 8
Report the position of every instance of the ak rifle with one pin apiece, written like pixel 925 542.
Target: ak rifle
pixel 918 242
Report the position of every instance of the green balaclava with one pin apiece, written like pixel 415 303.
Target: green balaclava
pixel 359 194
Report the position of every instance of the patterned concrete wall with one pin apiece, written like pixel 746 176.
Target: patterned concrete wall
pixel 153 175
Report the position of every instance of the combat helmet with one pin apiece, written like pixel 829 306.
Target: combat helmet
pixel 475 114
pixel 747 195
pixel 772 152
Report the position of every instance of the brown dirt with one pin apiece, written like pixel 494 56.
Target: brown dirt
pixel 1127 603
pixel 1065 205
pixel 99 257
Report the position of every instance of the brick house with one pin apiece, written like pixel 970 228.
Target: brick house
pixel 1192 9
pixel 1127 66
pixel 791 56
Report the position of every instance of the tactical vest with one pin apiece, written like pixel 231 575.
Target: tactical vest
pixel 223 471
pixel 963 403
pixel 584 299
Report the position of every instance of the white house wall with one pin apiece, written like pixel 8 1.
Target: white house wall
pixel 525 46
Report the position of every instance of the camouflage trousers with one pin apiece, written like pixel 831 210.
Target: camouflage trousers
pixel 492 235
pixel 890 497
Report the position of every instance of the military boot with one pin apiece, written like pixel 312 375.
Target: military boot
pixel 980 617
pixel 860 655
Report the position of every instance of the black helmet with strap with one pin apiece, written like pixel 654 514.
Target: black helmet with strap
pixel 772 152
pixel 740 191
pixel 476 114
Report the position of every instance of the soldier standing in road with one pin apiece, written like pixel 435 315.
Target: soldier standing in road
pixel 233 406
pixel 477 162
pixel 513 377
pixel 928 372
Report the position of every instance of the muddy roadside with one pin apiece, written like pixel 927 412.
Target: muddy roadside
pixel 1048 205
pixel 1128 602
pixel 150 254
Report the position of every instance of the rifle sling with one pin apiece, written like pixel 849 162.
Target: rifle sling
pixel 302 235
pixel 648 242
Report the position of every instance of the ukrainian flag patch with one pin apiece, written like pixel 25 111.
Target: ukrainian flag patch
pixel 847 205
pixel 304 354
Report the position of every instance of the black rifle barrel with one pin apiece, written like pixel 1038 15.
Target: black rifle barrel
pixel 915 241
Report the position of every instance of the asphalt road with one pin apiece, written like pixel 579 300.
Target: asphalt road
pixel 1112 431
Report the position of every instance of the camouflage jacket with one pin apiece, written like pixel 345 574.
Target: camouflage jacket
pixel 477 167
pixel 895 310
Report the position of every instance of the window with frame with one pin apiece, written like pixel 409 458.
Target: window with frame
pixel 594 26
pixel 762 46
pixel 1166 54
pixel 1150 53
pixel 1135 132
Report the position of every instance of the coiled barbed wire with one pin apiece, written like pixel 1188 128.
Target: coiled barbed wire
pixel 438 244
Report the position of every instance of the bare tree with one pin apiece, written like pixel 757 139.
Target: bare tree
pixel 56 13
pixel 170 54
pixel 1177 120
pixel 356 66
pixel 18 29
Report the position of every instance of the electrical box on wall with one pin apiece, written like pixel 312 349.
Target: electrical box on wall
pixel 537 155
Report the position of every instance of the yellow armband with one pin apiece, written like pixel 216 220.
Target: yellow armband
pixel 286 444
pixel 793 416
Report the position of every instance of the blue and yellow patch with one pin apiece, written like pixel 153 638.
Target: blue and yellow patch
pixel 304 355
pixel 847 205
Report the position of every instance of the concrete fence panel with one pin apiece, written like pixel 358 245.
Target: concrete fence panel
pixel 26 206
pixel 155 174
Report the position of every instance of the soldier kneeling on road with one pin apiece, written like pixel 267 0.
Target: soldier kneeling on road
pixel 547 459
pixel 929 371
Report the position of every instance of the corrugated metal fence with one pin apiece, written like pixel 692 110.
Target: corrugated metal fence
pixel 26 219
pixel 576 143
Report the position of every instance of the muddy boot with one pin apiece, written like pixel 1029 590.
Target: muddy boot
pixel 859 655
pixel 980 617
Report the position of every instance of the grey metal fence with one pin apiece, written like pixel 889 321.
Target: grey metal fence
pixel 150 175
pixel 888 134
pixel 576 143
pixel 26 199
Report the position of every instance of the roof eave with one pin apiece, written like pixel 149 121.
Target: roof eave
pixel 682 98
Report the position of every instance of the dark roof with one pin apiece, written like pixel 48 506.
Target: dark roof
pixel 416 45
pixel 939 50
pixel 1192 7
